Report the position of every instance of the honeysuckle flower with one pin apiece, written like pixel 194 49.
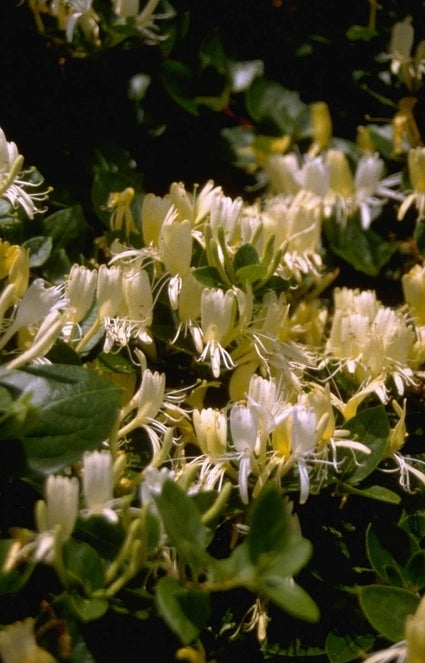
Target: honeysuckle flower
pixel 39 300
pixel 154 212
pixel 44 339
pixel 14 186
pixel 175 251
pixel 321 124
pixel 400 46
pixel 82 13
pixel 294 441
pixel 193 207
pixel 14 264
pixel 267 398
pixel 80 287
pixel 189 309
pixel 371 341
pixel 153 482
pixel 243 424
pixel 134 315
pixel 18 644
pixel 298 225
pixel 225 212
pixel 416 165
pixel 126 8
pixel 415 634
pixel 98 485
pixel 217 316
pixel 413 284
pixel 210 429
pixel 210 426
pixel 150 409
pixel 59 508
pixel 119 204
pixel 370 190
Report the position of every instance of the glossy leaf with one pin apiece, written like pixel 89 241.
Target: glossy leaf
pixel 342 648
pixel 186 612
pixel 76 410
pixel 387 608
pixel 39 249
pixel 371 428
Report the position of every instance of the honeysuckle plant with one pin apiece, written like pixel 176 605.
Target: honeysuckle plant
pixel 211 439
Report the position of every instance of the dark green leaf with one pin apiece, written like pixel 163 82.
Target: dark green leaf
pixel 87 609
pixel 269 526
pixel 84 567
pixel 182 522
pixel 39 249
pixel 371 428
pixel 364 250
pixel 66 227
pixel 275 109
pixel 208 276
pixel 342 648
pixel 177 80
pixel 291 598
pixel 387 608
pixel 360 33
pixel 77 409
pixel 380 493
pixel 186 612
pixel 246 255
pixel 389 549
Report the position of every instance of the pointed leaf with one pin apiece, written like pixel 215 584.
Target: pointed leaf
pixel 387 608
pixel 186 612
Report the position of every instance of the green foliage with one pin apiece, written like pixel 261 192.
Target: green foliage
pixel 75 408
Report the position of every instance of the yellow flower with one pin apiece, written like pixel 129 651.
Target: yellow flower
pixel 18 644
pixel 415 634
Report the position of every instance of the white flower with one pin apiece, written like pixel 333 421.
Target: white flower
pixel 13 185
pixel 98 485
pixel 38 301
pixel 60 508
pixel 244 431
pixel 80 287
pixel 217 315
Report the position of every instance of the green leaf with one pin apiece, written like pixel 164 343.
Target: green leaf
pixel 186 612
pixel 183 523
pixel 17 415
pixel 177 80
pixel 268 526
pixel 87 609
pixel 387 608
pixel 415 570
pixel 389 549
pixel 208 276
pixel 342 648
pixel 291 598
pixel 76 411
pixel 84 567
pixel 371 428
pixel 247 254
pixel 360 33
pixel 66 227
pixel 364 250
pixel 39 249
pixel 273 108
pixel 379 493
pixel 250 274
